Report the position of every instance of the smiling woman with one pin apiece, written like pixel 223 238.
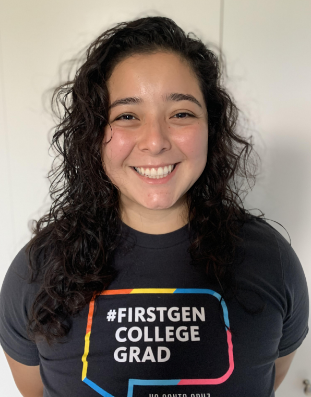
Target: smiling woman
pixel 146 227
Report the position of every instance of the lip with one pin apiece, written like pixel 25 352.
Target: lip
pixel 155 181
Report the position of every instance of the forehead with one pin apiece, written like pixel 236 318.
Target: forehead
pixel 153 73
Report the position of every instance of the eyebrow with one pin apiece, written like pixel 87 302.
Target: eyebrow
pixel 169 97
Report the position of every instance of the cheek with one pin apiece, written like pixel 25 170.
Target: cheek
pixel 194 145
pixel 117 150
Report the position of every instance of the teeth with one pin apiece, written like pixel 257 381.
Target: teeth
pixel 153 173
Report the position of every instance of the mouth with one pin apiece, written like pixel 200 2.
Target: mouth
pixel 156 177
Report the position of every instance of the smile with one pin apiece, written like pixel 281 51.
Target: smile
pixel 153 173
pixel 156 179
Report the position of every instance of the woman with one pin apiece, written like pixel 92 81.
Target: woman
pixel 147 276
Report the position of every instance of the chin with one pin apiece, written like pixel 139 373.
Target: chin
pixel 158 204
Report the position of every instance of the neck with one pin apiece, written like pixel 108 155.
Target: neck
pixel 155 221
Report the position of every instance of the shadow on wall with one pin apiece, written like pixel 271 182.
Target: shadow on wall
pixel 283 188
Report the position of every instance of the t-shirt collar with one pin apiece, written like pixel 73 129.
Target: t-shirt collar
pixel 154 240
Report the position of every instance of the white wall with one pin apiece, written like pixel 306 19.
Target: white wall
pixel 269 62
pixel 267 44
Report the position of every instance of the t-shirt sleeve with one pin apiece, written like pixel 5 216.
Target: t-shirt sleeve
pixel 295 320
pixel 15 302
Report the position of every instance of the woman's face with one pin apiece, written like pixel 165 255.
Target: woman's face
pixel 158 119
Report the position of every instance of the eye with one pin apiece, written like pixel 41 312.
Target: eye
pixel 183 115
pixel 126 117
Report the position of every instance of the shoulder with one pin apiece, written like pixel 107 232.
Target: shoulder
pixel 16 300
pixel 264 241
pixel 258 229
pixel 261 243
pixel 274 259
pixel 16 285
pixel 268 255
pixel 19 266
pixel 18 271
pixel 261 236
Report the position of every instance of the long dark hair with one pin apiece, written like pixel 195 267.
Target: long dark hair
pixel 71 253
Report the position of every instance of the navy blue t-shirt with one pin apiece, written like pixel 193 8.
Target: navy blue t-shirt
pixel 162 330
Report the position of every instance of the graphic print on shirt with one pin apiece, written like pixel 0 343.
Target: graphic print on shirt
pixel 170 340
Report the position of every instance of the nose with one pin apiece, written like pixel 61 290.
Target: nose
pixel 154 137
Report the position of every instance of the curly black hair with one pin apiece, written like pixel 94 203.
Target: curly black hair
pixel 71 252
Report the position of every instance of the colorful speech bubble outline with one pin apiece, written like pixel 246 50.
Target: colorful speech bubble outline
pixel 158 382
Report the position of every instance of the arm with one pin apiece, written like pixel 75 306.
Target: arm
pixel 282 365
pixel 27 378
